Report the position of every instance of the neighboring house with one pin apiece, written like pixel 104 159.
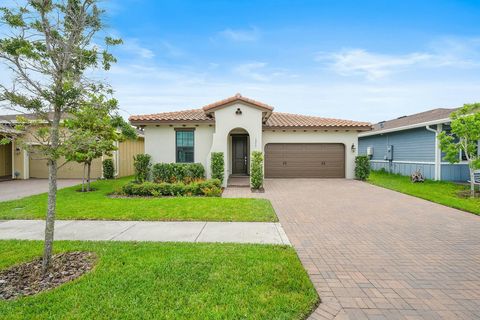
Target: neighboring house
pixel 18 163
pixel 409 143
pixel 295 146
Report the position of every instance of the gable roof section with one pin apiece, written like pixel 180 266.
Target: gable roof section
pixel 429 117
pixel 238 97
pixel 272 119
pixel 276 120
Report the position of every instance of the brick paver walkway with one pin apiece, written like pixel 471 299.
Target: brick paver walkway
pixel 373 253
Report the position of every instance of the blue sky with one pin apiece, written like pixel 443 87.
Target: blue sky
pixel 361 60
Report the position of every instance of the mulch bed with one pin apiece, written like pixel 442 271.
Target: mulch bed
pixel 26 279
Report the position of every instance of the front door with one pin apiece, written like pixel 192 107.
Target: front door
pixel 239 154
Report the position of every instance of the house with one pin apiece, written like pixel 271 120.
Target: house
pixel 18 163
pixel 294 146
pixel 409 143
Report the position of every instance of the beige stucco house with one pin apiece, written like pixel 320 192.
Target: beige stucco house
pixel 17 162
pixel 294 146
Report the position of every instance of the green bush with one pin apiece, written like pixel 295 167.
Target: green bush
pixel 178 172
pixel 210 188
pixel 256 170
pixel 218 166
pixel 362 167
pixel 108 169
pixel 142 164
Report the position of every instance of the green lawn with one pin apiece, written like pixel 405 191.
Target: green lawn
pixel 442 192
pixel 96 205
pixel 169 281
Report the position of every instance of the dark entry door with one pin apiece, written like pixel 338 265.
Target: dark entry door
pixel 239 155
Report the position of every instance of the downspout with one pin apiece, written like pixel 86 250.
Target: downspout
pixel 438 152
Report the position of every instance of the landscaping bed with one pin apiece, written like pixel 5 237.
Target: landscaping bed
pixel 169 281
pixel 443 192
pixel 97 205
pixel 207 188
pixel 27 279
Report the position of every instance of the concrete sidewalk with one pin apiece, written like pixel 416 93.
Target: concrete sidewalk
pixel 239 232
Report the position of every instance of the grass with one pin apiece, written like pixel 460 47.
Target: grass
pixel 96 205
pixel 169 281
pixel 442 192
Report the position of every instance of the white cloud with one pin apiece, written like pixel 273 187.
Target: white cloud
pixel 252 70
pixel 132 46
pixel 247 35
pixel 172 50
pixel 374 66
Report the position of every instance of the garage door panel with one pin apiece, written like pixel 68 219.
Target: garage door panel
pixel 304 160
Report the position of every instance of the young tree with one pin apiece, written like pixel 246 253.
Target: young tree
pixel 94 131
pixel 48 50
pixel 464 137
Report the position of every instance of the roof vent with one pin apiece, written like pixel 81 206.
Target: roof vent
pixel 381 123
pixel 401 117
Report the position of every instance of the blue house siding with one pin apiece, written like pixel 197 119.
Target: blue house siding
pixel 405 169
pixel 413 150
pixel 408 145
pixel 379 144
pixel 455 172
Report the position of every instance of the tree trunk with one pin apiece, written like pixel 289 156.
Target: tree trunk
pixel 52 195
pixel 472 183
pixel 89 166
pixel 83 178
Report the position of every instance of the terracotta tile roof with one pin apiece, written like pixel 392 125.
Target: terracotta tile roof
pixel 422 117
pixel 184 115
pixel 282 120
pixel 236 97
pixel 276 119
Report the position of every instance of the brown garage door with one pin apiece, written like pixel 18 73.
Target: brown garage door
pixel 305 160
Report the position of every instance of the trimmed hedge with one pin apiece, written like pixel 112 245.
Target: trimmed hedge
pixel 218 166
pixel 142 164
pixel 209 188
pixel 256 170
pixel 108 169
pixel 362 167
pixel 178 172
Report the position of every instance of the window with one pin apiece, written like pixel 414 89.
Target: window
pixel 184 145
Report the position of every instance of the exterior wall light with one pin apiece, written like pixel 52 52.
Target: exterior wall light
pixel 353 147
pixel 238 112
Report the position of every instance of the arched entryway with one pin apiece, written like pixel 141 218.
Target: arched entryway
pixel 238 152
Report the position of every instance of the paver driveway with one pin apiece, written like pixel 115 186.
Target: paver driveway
pixel 378 254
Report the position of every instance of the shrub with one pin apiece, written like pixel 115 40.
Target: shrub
pixel 362 167
pixel 178 172
pixel 108 169
pixel 212 192
pixel 210 188
pixel 142 164
pixel 256 170
pixel 218 166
